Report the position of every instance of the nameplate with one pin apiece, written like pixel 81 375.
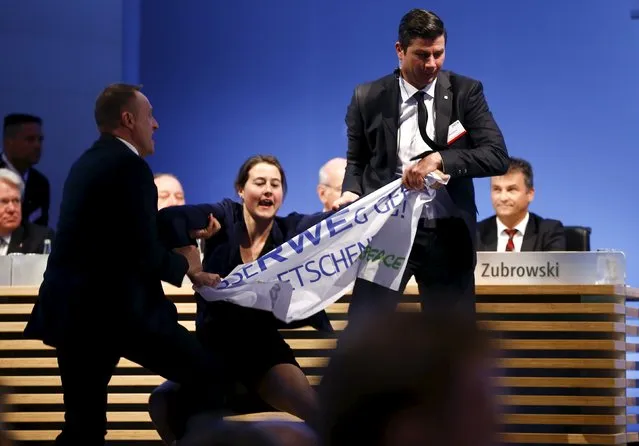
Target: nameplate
pixel 5 270
pixel 551 268
pixel 28 269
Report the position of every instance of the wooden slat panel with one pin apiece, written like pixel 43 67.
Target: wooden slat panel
pixel 571 420
pixel 411 289
pixel 12 327
pixel 52 363
pixel 590 383
pixel 519 344
pixel 500 308
pixel 57 417
pixel 571 326
pixel 521 301
pixel 561 344
pixel 136 398
pixel 23 344
pixel 551 308
pixel 532 290
pixel 134 417
pixel 56 398
pixel 493 308
pixel 30 344
pixel 143 417
pixel 134 435
pixel 300 344
pixel 563 400
pixel 563 438
pixel 112 435
pixel 116 380
pixel 562 363
pixel 24 309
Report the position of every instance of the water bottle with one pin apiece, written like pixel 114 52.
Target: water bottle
pixel 47 247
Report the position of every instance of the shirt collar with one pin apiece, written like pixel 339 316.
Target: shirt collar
pixel 6 238
pixel 521 226
pixel 129 145
pixel 11 167
pixel 408 91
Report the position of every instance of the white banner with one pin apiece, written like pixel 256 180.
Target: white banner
pixel 371 239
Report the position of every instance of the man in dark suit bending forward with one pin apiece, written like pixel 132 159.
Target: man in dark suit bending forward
pixel 102 297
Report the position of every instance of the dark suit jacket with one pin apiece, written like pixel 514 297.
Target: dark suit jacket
pixel 104 273
pixel 37 195
pixel 373 120
pixel 29 239
pixel 221 252
pixel 541 235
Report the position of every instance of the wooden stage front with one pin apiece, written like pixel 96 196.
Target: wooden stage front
pixel 563 378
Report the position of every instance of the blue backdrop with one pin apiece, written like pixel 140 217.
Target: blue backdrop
pixel 230 79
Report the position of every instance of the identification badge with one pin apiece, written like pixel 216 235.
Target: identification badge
pixel 455 131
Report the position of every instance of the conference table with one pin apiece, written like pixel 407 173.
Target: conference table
pixel 565 373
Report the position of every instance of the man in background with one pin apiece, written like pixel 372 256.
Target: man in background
pixel 331 176
pixel 170 191
pixel 513 228
pixel 21 150
pixel 17 236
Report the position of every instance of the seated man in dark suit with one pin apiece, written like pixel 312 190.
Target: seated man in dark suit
pixel 514 228
pixel 21 150
pixel 25 238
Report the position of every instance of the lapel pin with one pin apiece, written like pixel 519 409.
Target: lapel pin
pixel 445 97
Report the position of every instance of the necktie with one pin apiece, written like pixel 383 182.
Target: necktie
pixel 510 246
pixel 422 117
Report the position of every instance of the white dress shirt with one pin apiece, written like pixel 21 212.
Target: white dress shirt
pixel 4 244
pixel 12 168
pixel 518 238
pixel 129 145
pixel 410 142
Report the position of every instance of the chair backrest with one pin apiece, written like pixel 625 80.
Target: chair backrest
pixel 577 238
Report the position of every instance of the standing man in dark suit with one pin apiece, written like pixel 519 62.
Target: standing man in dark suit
pixel 17 236
pixel 514 228
pixel 22 149
pixel 416 121
pixel 102 297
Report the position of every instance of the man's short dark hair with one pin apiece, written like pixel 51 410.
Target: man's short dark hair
pixel 419 23
pixel 110 104
pixel 13 122
pixel 523 166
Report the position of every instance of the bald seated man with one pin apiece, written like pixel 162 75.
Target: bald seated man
pixel 170 191
pixel 331 176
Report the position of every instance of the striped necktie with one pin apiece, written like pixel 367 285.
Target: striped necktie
pixel 510 246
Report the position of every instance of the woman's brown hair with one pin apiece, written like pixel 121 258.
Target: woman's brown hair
pixel 243 173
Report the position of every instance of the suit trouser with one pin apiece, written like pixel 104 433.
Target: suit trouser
pixel 86 370
pixel 442 260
